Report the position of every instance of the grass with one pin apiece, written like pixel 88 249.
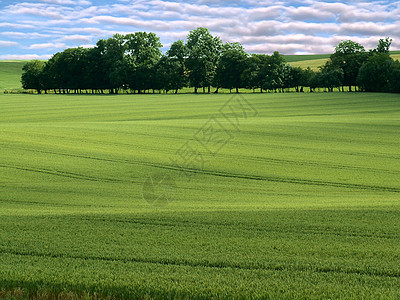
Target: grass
pixel 303 58
pixel 10 74
pixel 317 61
pixel 314 64
pixel 300 202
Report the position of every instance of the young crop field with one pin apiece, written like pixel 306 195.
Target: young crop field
pixel 200 196
pixel 304 58
pixel 10 74
pixel 313 64
pixel 316 61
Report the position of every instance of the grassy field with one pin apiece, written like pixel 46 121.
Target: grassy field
pixel 317 61
pixel 314 64
pixel 10 74
pixel 298 197
pixel 301 58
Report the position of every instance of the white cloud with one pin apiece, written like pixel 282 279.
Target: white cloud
pixel 24 56
pixel 48 46
pixel 77 38
pixel 309 13
pixel 7 44
pixel 16 25
pixel 67 2
pixel 24 35
pixel 308 26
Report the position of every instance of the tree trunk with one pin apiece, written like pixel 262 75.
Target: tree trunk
pixel 237 90
pixel 195 89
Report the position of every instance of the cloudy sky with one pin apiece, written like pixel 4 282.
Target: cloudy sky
pixel 37 29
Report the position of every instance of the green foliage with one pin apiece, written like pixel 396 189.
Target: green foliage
pixel 379 74
pixel 170 74
pixel 302 202
pixel 349 56
pixel 230 67
pixel 383 46
pixel 266 72
pixel 133 63
pixel 143 53
pixel 32 77
pixel 203 55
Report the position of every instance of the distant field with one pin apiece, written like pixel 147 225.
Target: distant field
pixel 299 58
pixel 316 61
pixel 299 200
pixel 10 74
pixel 313 64
pixel 396 56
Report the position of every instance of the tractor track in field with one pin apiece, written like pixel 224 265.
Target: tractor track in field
pixel 62 174
pixel 231 156
pixel 301 181
pixel 290 180
pixel 205 172
pixel 50 204
pixel 279 266
pixel 314 230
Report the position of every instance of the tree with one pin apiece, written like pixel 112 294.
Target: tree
pixel 231 66
pixel 251 72
pixel 294 79
pixel 375 74
pixel 178 50
pixel 203 55
pixel 394 81
pixel 73 64
pixel 256 71
pixel 32 76
pixel 111 51
pixel 331 79
pixel 349 56
pixel 307 77
pixel 96 77
pixel 142 52
pixel 383 46
pixel 177 54
pixel 274 71
pixel 53 73
pixel 169 74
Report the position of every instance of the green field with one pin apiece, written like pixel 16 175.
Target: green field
pixel 300 58
pixel 318 60
pixel 10 74
pixel 300 199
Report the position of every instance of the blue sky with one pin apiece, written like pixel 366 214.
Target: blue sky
pixel 37 29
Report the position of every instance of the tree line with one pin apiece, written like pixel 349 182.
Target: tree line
pixel 135 63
